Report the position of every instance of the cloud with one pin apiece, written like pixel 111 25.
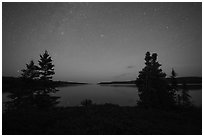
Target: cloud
pixel 130 66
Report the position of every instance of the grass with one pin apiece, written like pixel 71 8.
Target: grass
pixel 103 120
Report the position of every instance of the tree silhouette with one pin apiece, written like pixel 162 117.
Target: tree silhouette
pixel 185 97
pixel 152 85
pixel 32 97
pixel 45 66
pixel 31 71
pixel 174 86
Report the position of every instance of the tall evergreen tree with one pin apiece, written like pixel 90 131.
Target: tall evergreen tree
pixel 152 85
pixel 174 86
pixel 31 71
pixel 46 67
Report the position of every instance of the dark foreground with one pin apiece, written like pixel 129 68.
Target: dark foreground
pixel 102 119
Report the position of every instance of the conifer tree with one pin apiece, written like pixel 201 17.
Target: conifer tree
pixel 46 67
pixel 152 85
pixel 31 71
pixel 185 97
pixel 174 86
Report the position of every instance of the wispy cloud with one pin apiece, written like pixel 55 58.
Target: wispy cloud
pixel 130 66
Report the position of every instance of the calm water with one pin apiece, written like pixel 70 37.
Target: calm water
pixel 124 95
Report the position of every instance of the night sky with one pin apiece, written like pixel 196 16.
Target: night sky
pixel 93 42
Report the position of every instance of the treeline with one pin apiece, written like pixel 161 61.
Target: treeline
pixel 180 80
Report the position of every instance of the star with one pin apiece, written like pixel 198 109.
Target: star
pixel 70 11
pixel 62 33
pixel 155 9
pixel 102 35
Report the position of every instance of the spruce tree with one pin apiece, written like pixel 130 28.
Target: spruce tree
pixel 46 67
pixel 174 86
pixel 31 71
pixel 152 85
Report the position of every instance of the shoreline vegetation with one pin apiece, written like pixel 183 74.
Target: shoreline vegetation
pixel 106 119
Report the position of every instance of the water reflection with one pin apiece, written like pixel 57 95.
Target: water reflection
pixel 123 95
pixel 48 97
pixel 99 94
pixel 32 98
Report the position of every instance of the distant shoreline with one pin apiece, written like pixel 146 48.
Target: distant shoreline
pixel 9 83
pixel 191 82
pixel 180 80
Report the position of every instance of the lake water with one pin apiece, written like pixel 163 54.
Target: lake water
pixel 124 95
